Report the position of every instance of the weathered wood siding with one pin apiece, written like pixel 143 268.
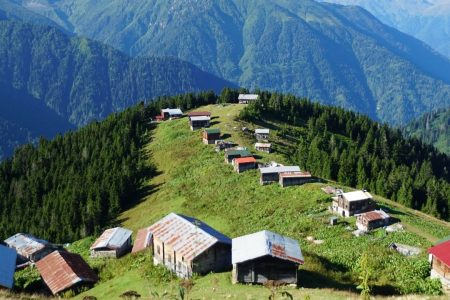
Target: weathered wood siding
pixel 266 268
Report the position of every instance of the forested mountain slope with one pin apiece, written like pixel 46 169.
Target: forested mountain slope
pixel 74 80
pixel 333 54
pixel 432 128
pixel 427 20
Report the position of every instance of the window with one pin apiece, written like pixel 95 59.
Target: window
pixel 158 250
pixel 169 258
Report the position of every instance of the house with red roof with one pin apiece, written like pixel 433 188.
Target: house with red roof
pixel 242 164
pixel 439 257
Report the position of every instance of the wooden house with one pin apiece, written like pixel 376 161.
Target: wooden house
pixel 113 243
pixel 349 204
pixel 372 220
pixel 272 174
pixel 263 147
pixel 231 154
pixel 242 164
pixel 264 256
pixel 262 134
pixel 294 178
pixel 29 248
pixel 171 113
pixel 142 241
pixel 186 246
pixel 199 122
pixel 247 98
pixel 199 114
pixel 8 258
pixel 62 271
pixel 211 135
pixel 439 258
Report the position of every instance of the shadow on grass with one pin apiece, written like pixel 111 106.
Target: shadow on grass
pixel 391 210
pixel 225 136
pixel 214 123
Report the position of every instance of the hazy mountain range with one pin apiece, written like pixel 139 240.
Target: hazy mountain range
pixel 427 20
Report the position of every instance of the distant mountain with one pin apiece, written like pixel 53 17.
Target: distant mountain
pixel 432 128
pixel 50 82
pixel 330 53
pixel 427 20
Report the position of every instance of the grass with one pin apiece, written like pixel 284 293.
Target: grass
pixel 194 180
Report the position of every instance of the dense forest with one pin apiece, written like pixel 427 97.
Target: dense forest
pixel 356 151
pixel 78 183
pixel 432 128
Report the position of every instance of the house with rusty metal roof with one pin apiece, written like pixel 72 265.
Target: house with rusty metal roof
pixel 439 257
pixel 272 173
pixel 8 259
pixel 142 241
pixel 29 247
pixel 372 220
pixel 188 246
pixel 113 243
pixel 294 178
pixel 62 270
pixel 265 255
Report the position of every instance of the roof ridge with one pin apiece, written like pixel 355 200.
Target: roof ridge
pixel 183 217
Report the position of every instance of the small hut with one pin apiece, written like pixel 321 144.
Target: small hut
pixel 294 178
pixel 247 98
pixel 211 135
pixel 263 147
pixel 262 134
pixel 231 154
pixel 113 243
pixel 372 220
pixel 29 248
pixel 63 270
pixel 8 258
pixel 142 241
pixel 264 256
pixel 272 173
pixel 242 164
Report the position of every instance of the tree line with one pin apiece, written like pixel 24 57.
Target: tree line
pixel 350 148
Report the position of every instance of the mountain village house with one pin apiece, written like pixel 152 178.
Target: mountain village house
pixel 113 243
pixel 264 256
pixel 242 164
pixel 210 136
pixel 231 154
pixel 199 119
pixel 8 259
pixel 142 241
pixel 169 114
pixel 294 178
pixel 349 204
pixel 63 270
pixel 186 245
pixel 263 147
pixel 372 219
pixel 247 98
pixel 29 248
pixel 272 174
pixel 439 257
pixel 262 134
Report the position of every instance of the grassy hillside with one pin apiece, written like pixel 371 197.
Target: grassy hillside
pixel 193 179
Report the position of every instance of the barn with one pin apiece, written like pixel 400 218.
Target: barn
pixel 113 243
pixel 8 259
pixel 372 219
pixel 199 122
pixel 265 255
pixel 242 164
pixel 63 270
pixel 263 147
pixel 272 174
pixel 29 248
pixel 262 134
pixel 186 246
pixel 294 178
pixel 231 154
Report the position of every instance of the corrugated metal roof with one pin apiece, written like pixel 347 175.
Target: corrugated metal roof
pixel 199 113
pixel 263 145
pixel 242 153
pixel 26 244
pixel 265 243
pixel 248 97
pixel 375 215
pixel 8 258
pixel 279 169
pixel 142 240
pixel 442 252
pixel 113 238
pixel 172 111
pixel 187 236
pixel 244 160
pixel 62 270
pixel 357 196
pixel 200 118
pixel 262 131
pixel 295 174
pixel 212 130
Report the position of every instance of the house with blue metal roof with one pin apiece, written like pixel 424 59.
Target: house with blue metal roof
pixel 8 259
pixel 186 246
pixel 265 255
pixel 113 243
